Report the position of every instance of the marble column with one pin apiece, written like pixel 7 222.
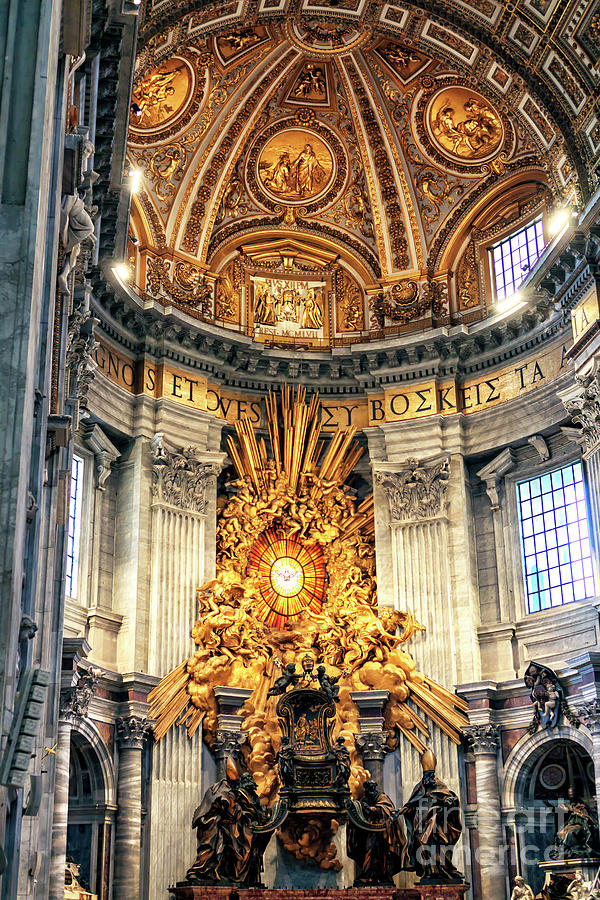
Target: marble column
pixel 589 713
pixel 74 703
pixel 230 737
pixel 131 734
pixel 61 811
pixel 485 741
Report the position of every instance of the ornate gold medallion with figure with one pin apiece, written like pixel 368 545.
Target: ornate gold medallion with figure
pixel 464 125
pixel 295 166
pixel 161 95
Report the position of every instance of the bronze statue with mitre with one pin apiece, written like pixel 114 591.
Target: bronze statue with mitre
pixel 433 824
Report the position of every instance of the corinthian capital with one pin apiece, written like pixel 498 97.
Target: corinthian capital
pixel 179 478
pixel 483 738
pixel 582 402
pixel 417 491
pixel 373 744
pixel 132 731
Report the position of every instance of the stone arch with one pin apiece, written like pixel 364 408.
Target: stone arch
pixel 88 730
pixel 91 808
pixel 526 752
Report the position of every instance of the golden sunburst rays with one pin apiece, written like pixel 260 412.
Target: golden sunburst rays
pixel 296 447
pixel 291 577
pixel 296 573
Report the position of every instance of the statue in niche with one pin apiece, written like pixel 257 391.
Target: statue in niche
pixel 578 836
pixel 548 698
pixel 233 830
pixel 521 890
pixel 76 222
pixel 375 837
pixel 433 825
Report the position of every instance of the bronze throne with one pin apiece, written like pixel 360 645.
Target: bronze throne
pixel 313 773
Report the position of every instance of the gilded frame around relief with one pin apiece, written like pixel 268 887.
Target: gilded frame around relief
pixel 289 310
pixel 298 165
pixel 460 129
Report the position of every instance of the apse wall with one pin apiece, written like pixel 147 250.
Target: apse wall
pixel 455 562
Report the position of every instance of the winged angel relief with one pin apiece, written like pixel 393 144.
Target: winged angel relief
pixel 296 574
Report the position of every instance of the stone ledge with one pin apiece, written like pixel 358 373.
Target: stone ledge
pixel 420 892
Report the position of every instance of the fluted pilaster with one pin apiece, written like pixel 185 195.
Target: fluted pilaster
pixel 417 494
pixel 183 494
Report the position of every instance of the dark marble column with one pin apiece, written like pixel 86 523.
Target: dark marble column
pixel 485 741
pixel 131 732
pixel 373 744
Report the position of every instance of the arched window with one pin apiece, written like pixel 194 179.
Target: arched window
pixel 513 257
pixel 555 538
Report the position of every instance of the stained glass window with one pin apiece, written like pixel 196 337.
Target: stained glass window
pixel 513 258
pixel 555 541
pixel 74 529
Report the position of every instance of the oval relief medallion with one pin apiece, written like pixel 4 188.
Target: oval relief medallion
pixel 161 97
pixel 295 166
pixel 463 125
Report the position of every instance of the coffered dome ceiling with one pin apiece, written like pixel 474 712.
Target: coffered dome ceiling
pixel 316 173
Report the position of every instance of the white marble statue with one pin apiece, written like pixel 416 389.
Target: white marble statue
pixel 580 889
pixel 521 890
